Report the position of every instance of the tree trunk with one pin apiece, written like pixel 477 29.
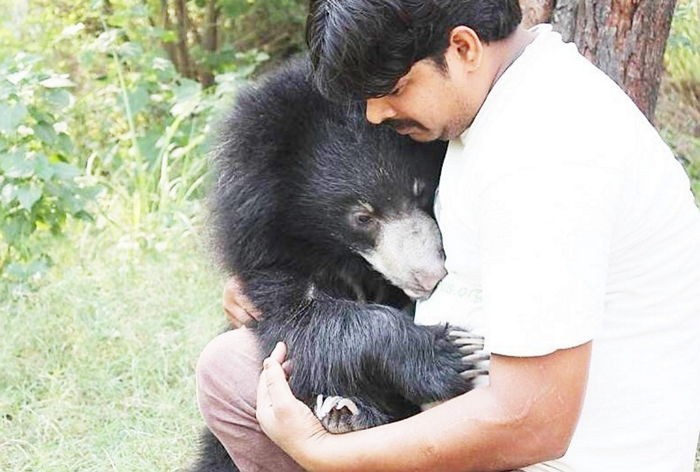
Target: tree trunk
pixel 536 11
pixel 564 18
pixel 168 26
pixel 210 38
pixel 211 21
pixel 624 38
pixel 627 40
pixel 183 52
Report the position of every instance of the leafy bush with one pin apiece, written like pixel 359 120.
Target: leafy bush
pixel 678 110
pixel 126 119
pixel 682 60
pixel 275 26
pixel 39 189
pixel 147 137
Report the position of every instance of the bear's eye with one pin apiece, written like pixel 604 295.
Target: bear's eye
pixel 362 219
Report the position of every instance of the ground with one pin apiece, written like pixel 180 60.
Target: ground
pixel 97 365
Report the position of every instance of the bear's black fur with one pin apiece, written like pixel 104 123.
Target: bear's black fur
pixel 316 210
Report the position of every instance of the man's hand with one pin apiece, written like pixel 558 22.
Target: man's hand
pixel 283 418
pixel 527 414
pixel 238 308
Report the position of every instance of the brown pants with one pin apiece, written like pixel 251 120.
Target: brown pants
pixel 227 380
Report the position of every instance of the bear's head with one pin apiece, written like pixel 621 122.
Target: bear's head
pixel 372 191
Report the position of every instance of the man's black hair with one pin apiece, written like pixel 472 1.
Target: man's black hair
pixel 361 48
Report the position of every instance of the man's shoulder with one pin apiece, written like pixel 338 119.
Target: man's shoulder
pixel 553 106
pixel 551 84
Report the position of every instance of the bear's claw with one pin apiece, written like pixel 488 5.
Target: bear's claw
pixel 337 414
pixel 472 346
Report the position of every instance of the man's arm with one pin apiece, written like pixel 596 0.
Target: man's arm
pixel 526 415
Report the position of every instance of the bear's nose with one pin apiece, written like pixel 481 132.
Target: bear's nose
pixel 429 279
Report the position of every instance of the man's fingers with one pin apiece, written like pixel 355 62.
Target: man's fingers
pixel 287 367
pixel 237 316
pixel 283 418
pixel 274 394
pixel 248 306
pixel 276 382
pixel 279 353
pixel 236 303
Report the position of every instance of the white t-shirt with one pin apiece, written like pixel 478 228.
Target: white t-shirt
pixel 565 219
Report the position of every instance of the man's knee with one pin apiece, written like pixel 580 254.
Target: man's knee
pixel 227 376
pixel 227 381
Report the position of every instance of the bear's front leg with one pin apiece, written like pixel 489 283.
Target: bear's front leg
pixel 422 364
pixel 391 390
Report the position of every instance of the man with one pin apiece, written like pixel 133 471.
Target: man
pixel 572 243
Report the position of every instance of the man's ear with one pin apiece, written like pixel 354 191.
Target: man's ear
pixel 466 46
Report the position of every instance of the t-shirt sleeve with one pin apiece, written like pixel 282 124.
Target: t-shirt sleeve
pixel 544 244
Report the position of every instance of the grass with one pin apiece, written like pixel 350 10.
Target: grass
pixel 97 365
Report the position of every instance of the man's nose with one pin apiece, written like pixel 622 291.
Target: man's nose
pixel 379 110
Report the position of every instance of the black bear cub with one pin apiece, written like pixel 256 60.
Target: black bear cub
pixel 327 220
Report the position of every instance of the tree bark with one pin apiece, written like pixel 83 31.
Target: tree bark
pixel 564 18
pixel 211 26
pixel 627 40
pixel 210 38
pixel 168 26
pixel 560 13
pixel 624 38
pixel 183 52
pixel 536 11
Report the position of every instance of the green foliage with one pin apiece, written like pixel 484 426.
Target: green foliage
pixel 147 137
pixel 39 189
pixel 682 60
pixel 153 140
pixel 678 109
pixel 142 125
pixel 117 109
pixel 275 26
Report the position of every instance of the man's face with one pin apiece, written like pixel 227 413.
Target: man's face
pixel 429 103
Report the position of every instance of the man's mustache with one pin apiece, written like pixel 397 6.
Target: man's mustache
pixel 397 124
